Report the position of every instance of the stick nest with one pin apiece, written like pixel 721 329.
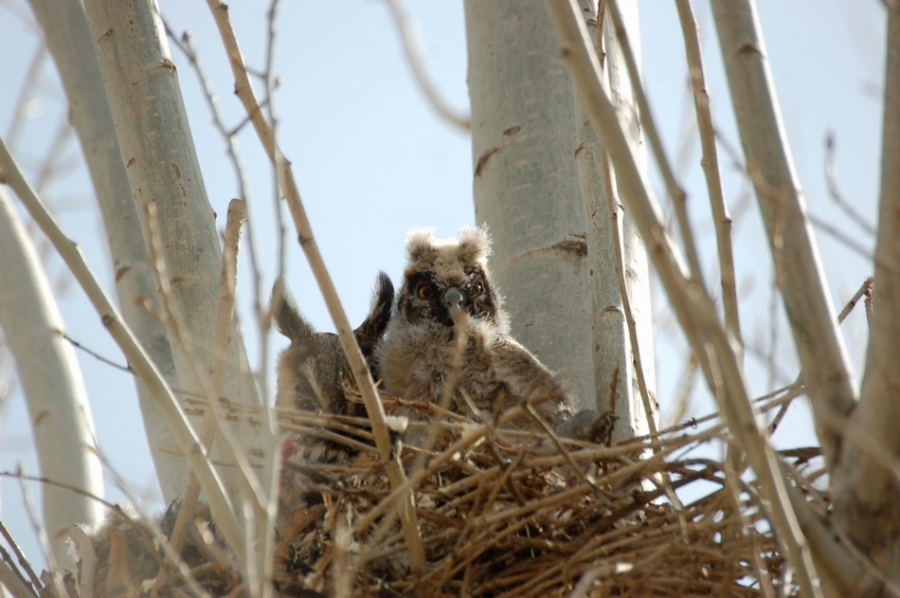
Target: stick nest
pixel 508 515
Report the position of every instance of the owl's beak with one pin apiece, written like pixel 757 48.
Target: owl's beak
pixel 453 299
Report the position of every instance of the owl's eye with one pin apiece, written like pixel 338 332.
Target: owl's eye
pixel 425 291
pixel 478 288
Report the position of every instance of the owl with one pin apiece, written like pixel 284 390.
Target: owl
pixel 313 371
pixel 443 280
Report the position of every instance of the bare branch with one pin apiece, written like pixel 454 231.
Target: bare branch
pixel 710 163
pixel 414 54
pixel 32 576
pixel 797 267
pixel 186 44
pixel 865 289
pixel 14 583
pixel 866 491
pixel 58 405
pixel 236 216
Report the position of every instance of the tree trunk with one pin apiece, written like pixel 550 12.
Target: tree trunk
pixel 612 348
pixel 51 382
pixel 69 40
pixel 158 152
pixel 526 183
pixel 693 306
pixel 866 492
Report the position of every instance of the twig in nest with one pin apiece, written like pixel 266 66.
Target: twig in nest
pixel 556 443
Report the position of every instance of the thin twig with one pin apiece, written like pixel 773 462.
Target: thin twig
pixel 40 531
pixel 710 164
pixel 271 87
pixel 772 347
pixel 414 54
pixel 95 355
pixel 14 583
pixel 20 557
pixel 612 199
pixel 770 195
pixel 865 289
pixel 235 218
pixel 179 334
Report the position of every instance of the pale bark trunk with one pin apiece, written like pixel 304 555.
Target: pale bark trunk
pixel 526 183
pixel 612 347
pixel 798 271
pixel 866 492
pixel 200 462
pixel 52 384
pixel 68 37
pixel 695 310
pixel 161 162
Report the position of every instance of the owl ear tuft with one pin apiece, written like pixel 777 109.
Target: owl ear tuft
pixel 474 244
pixel 421 245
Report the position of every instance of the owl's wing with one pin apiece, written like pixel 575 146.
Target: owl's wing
pixel 526 378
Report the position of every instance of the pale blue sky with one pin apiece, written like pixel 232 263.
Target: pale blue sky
pixel 372 160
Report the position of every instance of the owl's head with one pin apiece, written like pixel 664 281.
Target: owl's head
pixel 444 276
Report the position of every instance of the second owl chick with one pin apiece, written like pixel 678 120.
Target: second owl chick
pixel 443 279
pixel 313 370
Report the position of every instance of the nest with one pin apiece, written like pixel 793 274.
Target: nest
pixel 502 513
pixel 515 515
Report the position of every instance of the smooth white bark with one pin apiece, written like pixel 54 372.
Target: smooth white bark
pixel 69 40
pixel 159 156
pixel 798 270
pixel 51 381
pixel 526 183
pixel 222 510
pixel 612 348
pixel 866 492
